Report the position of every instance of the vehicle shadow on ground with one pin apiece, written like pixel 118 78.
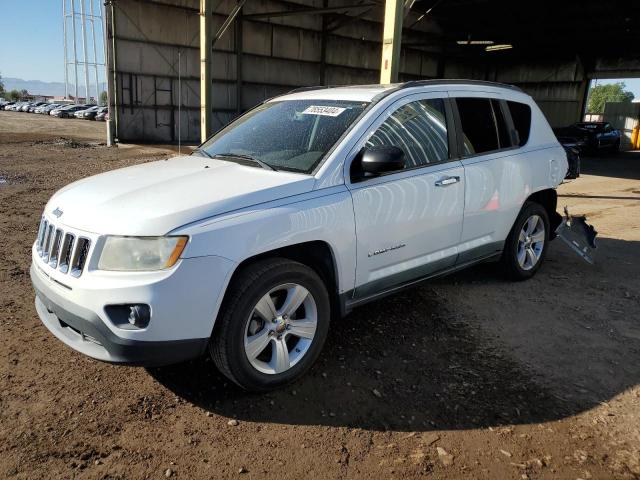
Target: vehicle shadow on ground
pixel 616 165
pixel 405 363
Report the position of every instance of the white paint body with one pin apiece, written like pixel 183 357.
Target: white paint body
pixel 232 213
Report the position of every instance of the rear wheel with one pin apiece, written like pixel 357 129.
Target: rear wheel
pixel 272 325
pixel 526 245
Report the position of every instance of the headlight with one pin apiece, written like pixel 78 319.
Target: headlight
pixel 141 253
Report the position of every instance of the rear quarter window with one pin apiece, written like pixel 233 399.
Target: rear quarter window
pixel 521 116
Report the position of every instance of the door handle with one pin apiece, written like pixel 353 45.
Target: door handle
pixel 443 182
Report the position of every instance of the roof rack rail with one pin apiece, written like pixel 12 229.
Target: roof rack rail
pixel 456 81
pixel 306 89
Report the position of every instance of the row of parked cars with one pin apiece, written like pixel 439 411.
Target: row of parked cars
pixel 60 110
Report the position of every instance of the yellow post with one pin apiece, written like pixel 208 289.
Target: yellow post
pixel 391 40
pixel 634 137
pixel 206 15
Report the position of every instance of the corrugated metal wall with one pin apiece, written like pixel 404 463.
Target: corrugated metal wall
pixel 558 87
pixel 278 54
pixel 155 45
pixel 156 42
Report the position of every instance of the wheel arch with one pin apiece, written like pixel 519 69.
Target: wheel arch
pixel 316 254
pixel 548 198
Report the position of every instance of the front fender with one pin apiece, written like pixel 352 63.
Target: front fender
pixel 318 216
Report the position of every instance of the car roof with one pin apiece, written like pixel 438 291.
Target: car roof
pixel 368 93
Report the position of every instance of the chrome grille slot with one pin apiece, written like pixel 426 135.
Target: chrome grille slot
pixel 43 234
pixel 80 256
pixel 47 242
pixel 61 249
pixel 40 237
pixel 66 251
pixel 55 249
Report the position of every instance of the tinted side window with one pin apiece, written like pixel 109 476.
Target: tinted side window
pixel 521 116
pixel 419 129
pixel 478 125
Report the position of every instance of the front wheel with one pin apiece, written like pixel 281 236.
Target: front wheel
pixel 526 245
pixel 272 325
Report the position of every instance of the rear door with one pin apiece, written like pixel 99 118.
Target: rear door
pixel 408 223
pixel 494 175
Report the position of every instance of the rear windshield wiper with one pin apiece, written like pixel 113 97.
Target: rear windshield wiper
pixel 246 158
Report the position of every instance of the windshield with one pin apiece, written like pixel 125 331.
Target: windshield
pixel 290 135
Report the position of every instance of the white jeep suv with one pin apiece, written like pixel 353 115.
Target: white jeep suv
pixel 303 208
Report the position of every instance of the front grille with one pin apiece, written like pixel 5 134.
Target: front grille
pixel 62 250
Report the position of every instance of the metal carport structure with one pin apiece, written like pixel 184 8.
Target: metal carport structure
pixel 165 84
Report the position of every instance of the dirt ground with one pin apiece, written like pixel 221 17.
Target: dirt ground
pixel 467 377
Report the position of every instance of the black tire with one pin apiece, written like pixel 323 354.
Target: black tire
pixel 512 267
pixel 246 289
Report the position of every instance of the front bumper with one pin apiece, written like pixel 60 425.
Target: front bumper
pixel 84 331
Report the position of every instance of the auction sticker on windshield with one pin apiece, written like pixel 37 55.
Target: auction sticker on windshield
pixel 323 110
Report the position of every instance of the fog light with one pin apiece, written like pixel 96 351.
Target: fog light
pixel 139 315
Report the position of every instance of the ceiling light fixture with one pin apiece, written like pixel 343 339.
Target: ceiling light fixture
pixel 474 42
pixel 500 46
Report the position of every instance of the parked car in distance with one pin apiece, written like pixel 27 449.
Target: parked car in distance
pixel 308 205
pixel 103 116
pixel 93 114
pixel 19 106
pixel 590 137
pixel 43 107
pixel 67 111
pixel 47 109
pixel 6 105
pixel 15 106
pixel 33 106
pixel 89 113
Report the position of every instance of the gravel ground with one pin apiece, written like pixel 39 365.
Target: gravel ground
pixel 469 376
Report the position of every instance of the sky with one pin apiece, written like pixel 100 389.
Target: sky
pixel 31 45
pixel 31 40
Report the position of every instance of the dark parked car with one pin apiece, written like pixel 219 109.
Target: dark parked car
pixel 573 159
pixel 572 147
pixel 590 136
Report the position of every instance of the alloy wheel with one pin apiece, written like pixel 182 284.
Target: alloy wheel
pixel 531 242
pixel 281 328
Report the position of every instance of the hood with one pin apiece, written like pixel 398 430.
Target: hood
pixel 158 197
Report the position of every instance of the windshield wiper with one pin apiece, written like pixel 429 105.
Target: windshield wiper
pixel 249 158
pixel 200 150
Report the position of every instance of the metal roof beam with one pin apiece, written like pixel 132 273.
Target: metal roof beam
pixel 309 11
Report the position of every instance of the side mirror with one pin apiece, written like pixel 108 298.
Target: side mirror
pixel 382 159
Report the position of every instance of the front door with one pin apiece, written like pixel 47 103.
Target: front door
pixel 409 223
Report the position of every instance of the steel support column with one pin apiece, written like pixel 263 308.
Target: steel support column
pixel 109 29
pixel 206 15
pixel 391 40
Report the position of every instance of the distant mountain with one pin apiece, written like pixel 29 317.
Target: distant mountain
pixel 39 87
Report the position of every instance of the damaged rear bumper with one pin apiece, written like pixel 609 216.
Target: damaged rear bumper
pixel 578 235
